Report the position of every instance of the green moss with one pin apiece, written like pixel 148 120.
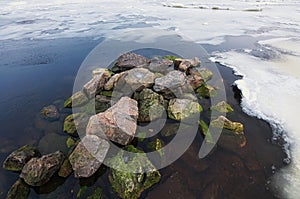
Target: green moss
pixel 180 109
pixel 69 124
pixel 70 142
pixel 222 122
pixel 106 93
pixel 206 74
pixel 222 107
pixel 76 100
pixel 97 194
pixel 130 185
pixel 156 145
pixel 206 91
pixel 206 132
pixel 171 57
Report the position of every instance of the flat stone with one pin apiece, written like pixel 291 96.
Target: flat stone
pixel 180 109
pixel 117 123
pixel 76 100
pixel 88 156
pixel 17 159
pixel 172 85
pixel 139 78
pixel 128 61
pixel 96 84
pixel 38 171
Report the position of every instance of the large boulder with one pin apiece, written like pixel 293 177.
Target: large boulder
pixel 50 113
pixel 88 156
pixel 96 83
pixel 17 159
pixel 128 61
pixel 76 100
pixel 151 105
pixel 117 123
pixel 139 78
pixel 172 85
pixel 19 190
pixel 180 109
pixel 39 171
pixel 129 185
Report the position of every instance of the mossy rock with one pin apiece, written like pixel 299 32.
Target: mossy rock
pixel 205 74
pixel 180 109
pixel 171 57
pixel 17 159
pixel 206 91
pixel 223 122
pixel 156 145
pixel 70 142
pixel 75 123
pixel 130 185
pixel 97 194
pixel 222 107
pixel 65 169
pixel 76 100
pixel 20 190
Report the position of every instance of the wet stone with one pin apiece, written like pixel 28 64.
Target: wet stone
pixel 19 190
pixel 50 113
pixel 128 61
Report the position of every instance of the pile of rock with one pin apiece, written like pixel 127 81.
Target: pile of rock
pixel 137 89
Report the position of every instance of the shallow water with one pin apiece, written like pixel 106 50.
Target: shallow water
pixel 263 35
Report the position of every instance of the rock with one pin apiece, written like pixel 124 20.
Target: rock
pixel 232 136
pixel 65 169
pixel 160 65
pixel 171 57
pixel 17 159
pixel 20 190
pixel 75 123
pixel 88 156
pixel 70 142
pixel 99 71
pixel 187 64
pixel 206 91
pixel 203 72
pixel 156 145
pixel 195 80
pixel 129 185
pixel 117 123
pixel 97 194
pixel 172 85
pixel 151 106
pixel 112 82
pixel 139 78
pixel 232 126
pixel 128 61
pixel 52 142
pixel 96 84
pixel 180 109
pixel 222 107
pixel 39 171
pixel 76 100
pixel 50 112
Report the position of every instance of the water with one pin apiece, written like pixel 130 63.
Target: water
pixel 268 59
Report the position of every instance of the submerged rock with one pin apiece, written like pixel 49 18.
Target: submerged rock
pixel 151 106
pixel 96 84
pixel 75 123
pixel 50 112
pixel 20 190
pixel 118 123
pixel 97 194
pixel 130 185
pixel 88 156
pixel 128 61
pixel 65 169
pixel 39 171
pixel 172 85
pixel 17 159
pixel 180 109
pixel 139 78
pixel 76 100
pixel 222 107
pixel 206 91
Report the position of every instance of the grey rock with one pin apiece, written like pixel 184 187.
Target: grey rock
pixel 180 109
pixel 96 84
pixel 112 82
pixel 160 65
pixel 128 61
pixel 39 171
pixel 139 78
pixel 88 156
pixel 19 190
pixel 118 123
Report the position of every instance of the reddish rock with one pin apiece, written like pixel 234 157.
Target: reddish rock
pixel 96 84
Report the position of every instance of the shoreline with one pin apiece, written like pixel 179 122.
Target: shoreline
pixel 257 144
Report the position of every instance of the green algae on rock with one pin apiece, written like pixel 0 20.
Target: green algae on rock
pixel 156 145
pixel 97 194
pixel 206 91
pixel 74 121
pixel 222 107
pixel 223 122
pixel 130 185
pixel 151 105
pixel 19 190
pixel 206 132
pixel 17 159
pixel 180 109
pixel 76 100
pixel 65 169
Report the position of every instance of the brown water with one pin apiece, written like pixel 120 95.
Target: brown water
pixel 34 74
